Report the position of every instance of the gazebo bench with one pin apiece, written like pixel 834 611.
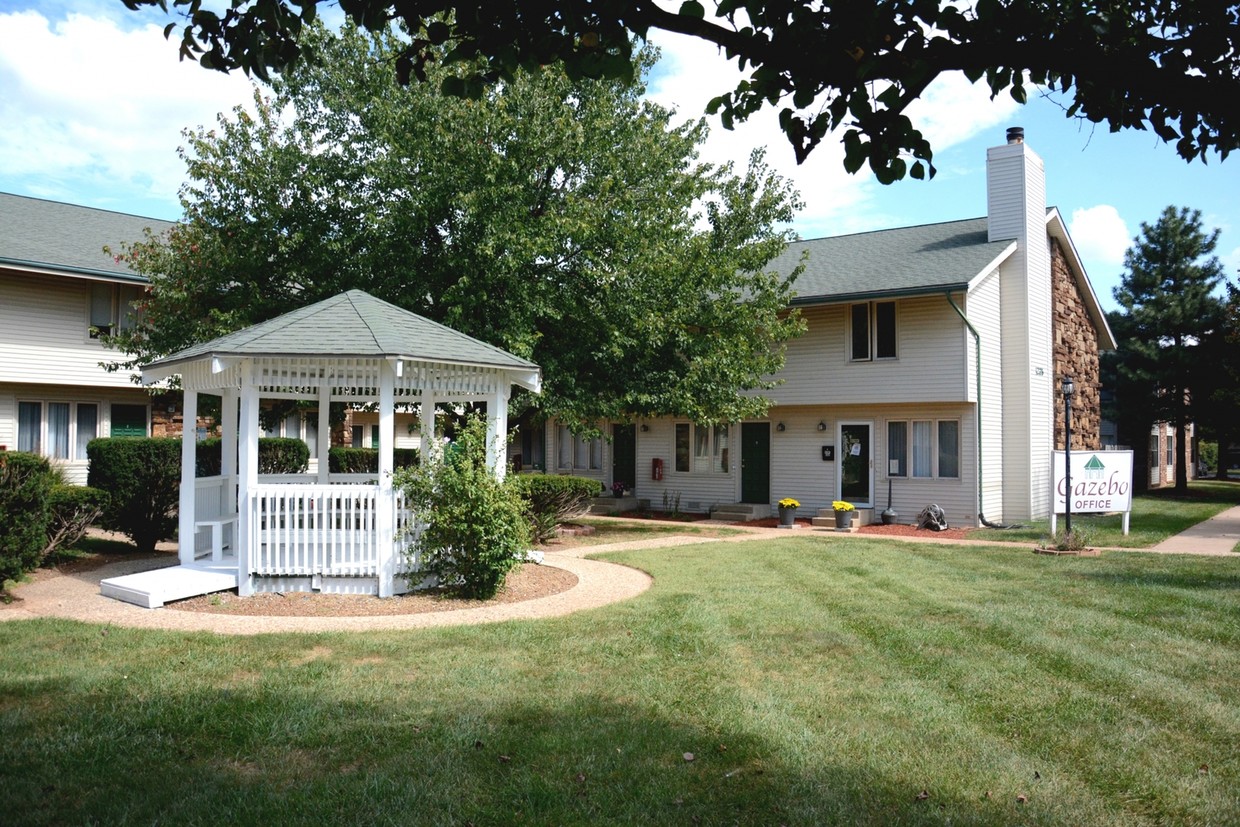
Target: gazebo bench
pixel 216 524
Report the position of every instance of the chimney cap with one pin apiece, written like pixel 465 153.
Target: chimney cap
pixel 1016 135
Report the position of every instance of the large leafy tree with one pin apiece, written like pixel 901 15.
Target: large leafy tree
pixel 1169 295
pixel 850 65
pixel 563 219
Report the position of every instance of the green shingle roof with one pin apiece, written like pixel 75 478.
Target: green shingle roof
pixel 48 235
pixel 352 325
pixel 903 261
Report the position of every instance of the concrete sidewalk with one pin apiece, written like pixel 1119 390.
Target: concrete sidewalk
pixel 1217 535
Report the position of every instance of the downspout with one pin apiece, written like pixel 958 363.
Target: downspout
pixel 977 354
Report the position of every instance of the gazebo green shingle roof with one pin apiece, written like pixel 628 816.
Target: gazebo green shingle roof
pixel 353 324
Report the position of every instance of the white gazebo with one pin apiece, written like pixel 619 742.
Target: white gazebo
pixel 342 533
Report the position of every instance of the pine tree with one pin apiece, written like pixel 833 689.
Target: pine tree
pixel 1169 295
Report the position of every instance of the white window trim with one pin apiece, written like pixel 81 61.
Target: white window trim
pixel 872 316
pixel 587 448
pixel 703 464
pixel 44 441
pixel 934 448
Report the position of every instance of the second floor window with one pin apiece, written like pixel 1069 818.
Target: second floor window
pixel 872 331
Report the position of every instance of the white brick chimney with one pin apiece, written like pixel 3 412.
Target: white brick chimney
pixel 1016 210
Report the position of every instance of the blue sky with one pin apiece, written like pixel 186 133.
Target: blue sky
pixel 93 100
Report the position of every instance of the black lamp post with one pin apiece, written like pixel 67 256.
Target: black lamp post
pixel 1068 388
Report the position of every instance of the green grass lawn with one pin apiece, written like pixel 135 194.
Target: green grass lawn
pixel 1156 515
pixel 815 680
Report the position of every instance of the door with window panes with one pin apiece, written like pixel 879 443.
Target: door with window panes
pixel 854 470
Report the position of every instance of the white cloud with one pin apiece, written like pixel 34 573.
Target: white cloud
pixel 89 101
pixel 1101 236
pixel 691 72
pixel 1231 265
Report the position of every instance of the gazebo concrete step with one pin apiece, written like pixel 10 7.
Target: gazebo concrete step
pixel 152 589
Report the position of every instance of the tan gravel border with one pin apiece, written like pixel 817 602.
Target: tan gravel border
pixel 77 597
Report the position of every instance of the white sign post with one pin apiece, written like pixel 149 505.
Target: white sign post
pixel 1101 483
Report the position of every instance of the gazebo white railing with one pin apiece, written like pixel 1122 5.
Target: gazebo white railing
pixel 331 532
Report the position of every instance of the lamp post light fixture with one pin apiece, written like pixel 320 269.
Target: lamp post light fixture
pixel 1068 389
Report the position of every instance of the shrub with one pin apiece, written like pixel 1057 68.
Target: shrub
pixel 282 455
pixel 551 499
pixel 276 455
pixel 72 510
pixel 26 480
pixel 474 527
pixel 142 480
pixel 366 460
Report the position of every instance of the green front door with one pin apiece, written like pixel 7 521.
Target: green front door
pixel 756 462
pixel 624 455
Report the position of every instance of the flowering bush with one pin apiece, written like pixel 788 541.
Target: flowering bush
pixel 788 502
pixel 840 505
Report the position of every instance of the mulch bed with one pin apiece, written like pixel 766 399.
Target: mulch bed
pixel 772 522
pixel 897 530
pixel 527 582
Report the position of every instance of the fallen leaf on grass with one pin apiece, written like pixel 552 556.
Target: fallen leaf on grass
pixel 478 745
pixel 689 756
pixel 1204 769
pixel 922 796
pixel 1022 799
pixel 504 759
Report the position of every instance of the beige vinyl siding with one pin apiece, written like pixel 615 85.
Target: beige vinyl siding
pixel 44 334
pixel 404 437
pixel 799 471
pixel 699 489
pixel 982 308
pixel 930 365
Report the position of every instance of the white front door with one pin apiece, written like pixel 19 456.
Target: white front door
pixel 854 468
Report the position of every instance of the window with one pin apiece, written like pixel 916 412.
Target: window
pixel 709 447
pixel 924 449
pixel 59 430
pixel 897 449
pixel 872 331
pixel 682 446
pixel 359 434
pixel 128 420
pixel 87 428
pixel 577 454
pixel 111 308
pixel 1153 451
pixel 1170 448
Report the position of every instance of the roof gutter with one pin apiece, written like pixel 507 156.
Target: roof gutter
pixel 934 290
pixel 43 268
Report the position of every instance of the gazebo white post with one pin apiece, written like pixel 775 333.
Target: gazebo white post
pixel 189 459
pixel 247 482
pixel 385 505
pixel 229 404
pixel 429 452
pixel 325 430
pixel 497 429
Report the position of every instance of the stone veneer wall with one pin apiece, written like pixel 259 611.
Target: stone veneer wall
pixel 1076 355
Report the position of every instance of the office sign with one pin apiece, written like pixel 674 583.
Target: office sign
pixel 1101 482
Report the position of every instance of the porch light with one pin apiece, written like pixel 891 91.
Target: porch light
pixel 780 427
pixel 822 426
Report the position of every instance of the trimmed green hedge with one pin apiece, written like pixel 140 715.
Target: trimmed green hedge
pixel 276 455
pixel 142 478
pixel 553 498
pixel 366 460
pixel 26 482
